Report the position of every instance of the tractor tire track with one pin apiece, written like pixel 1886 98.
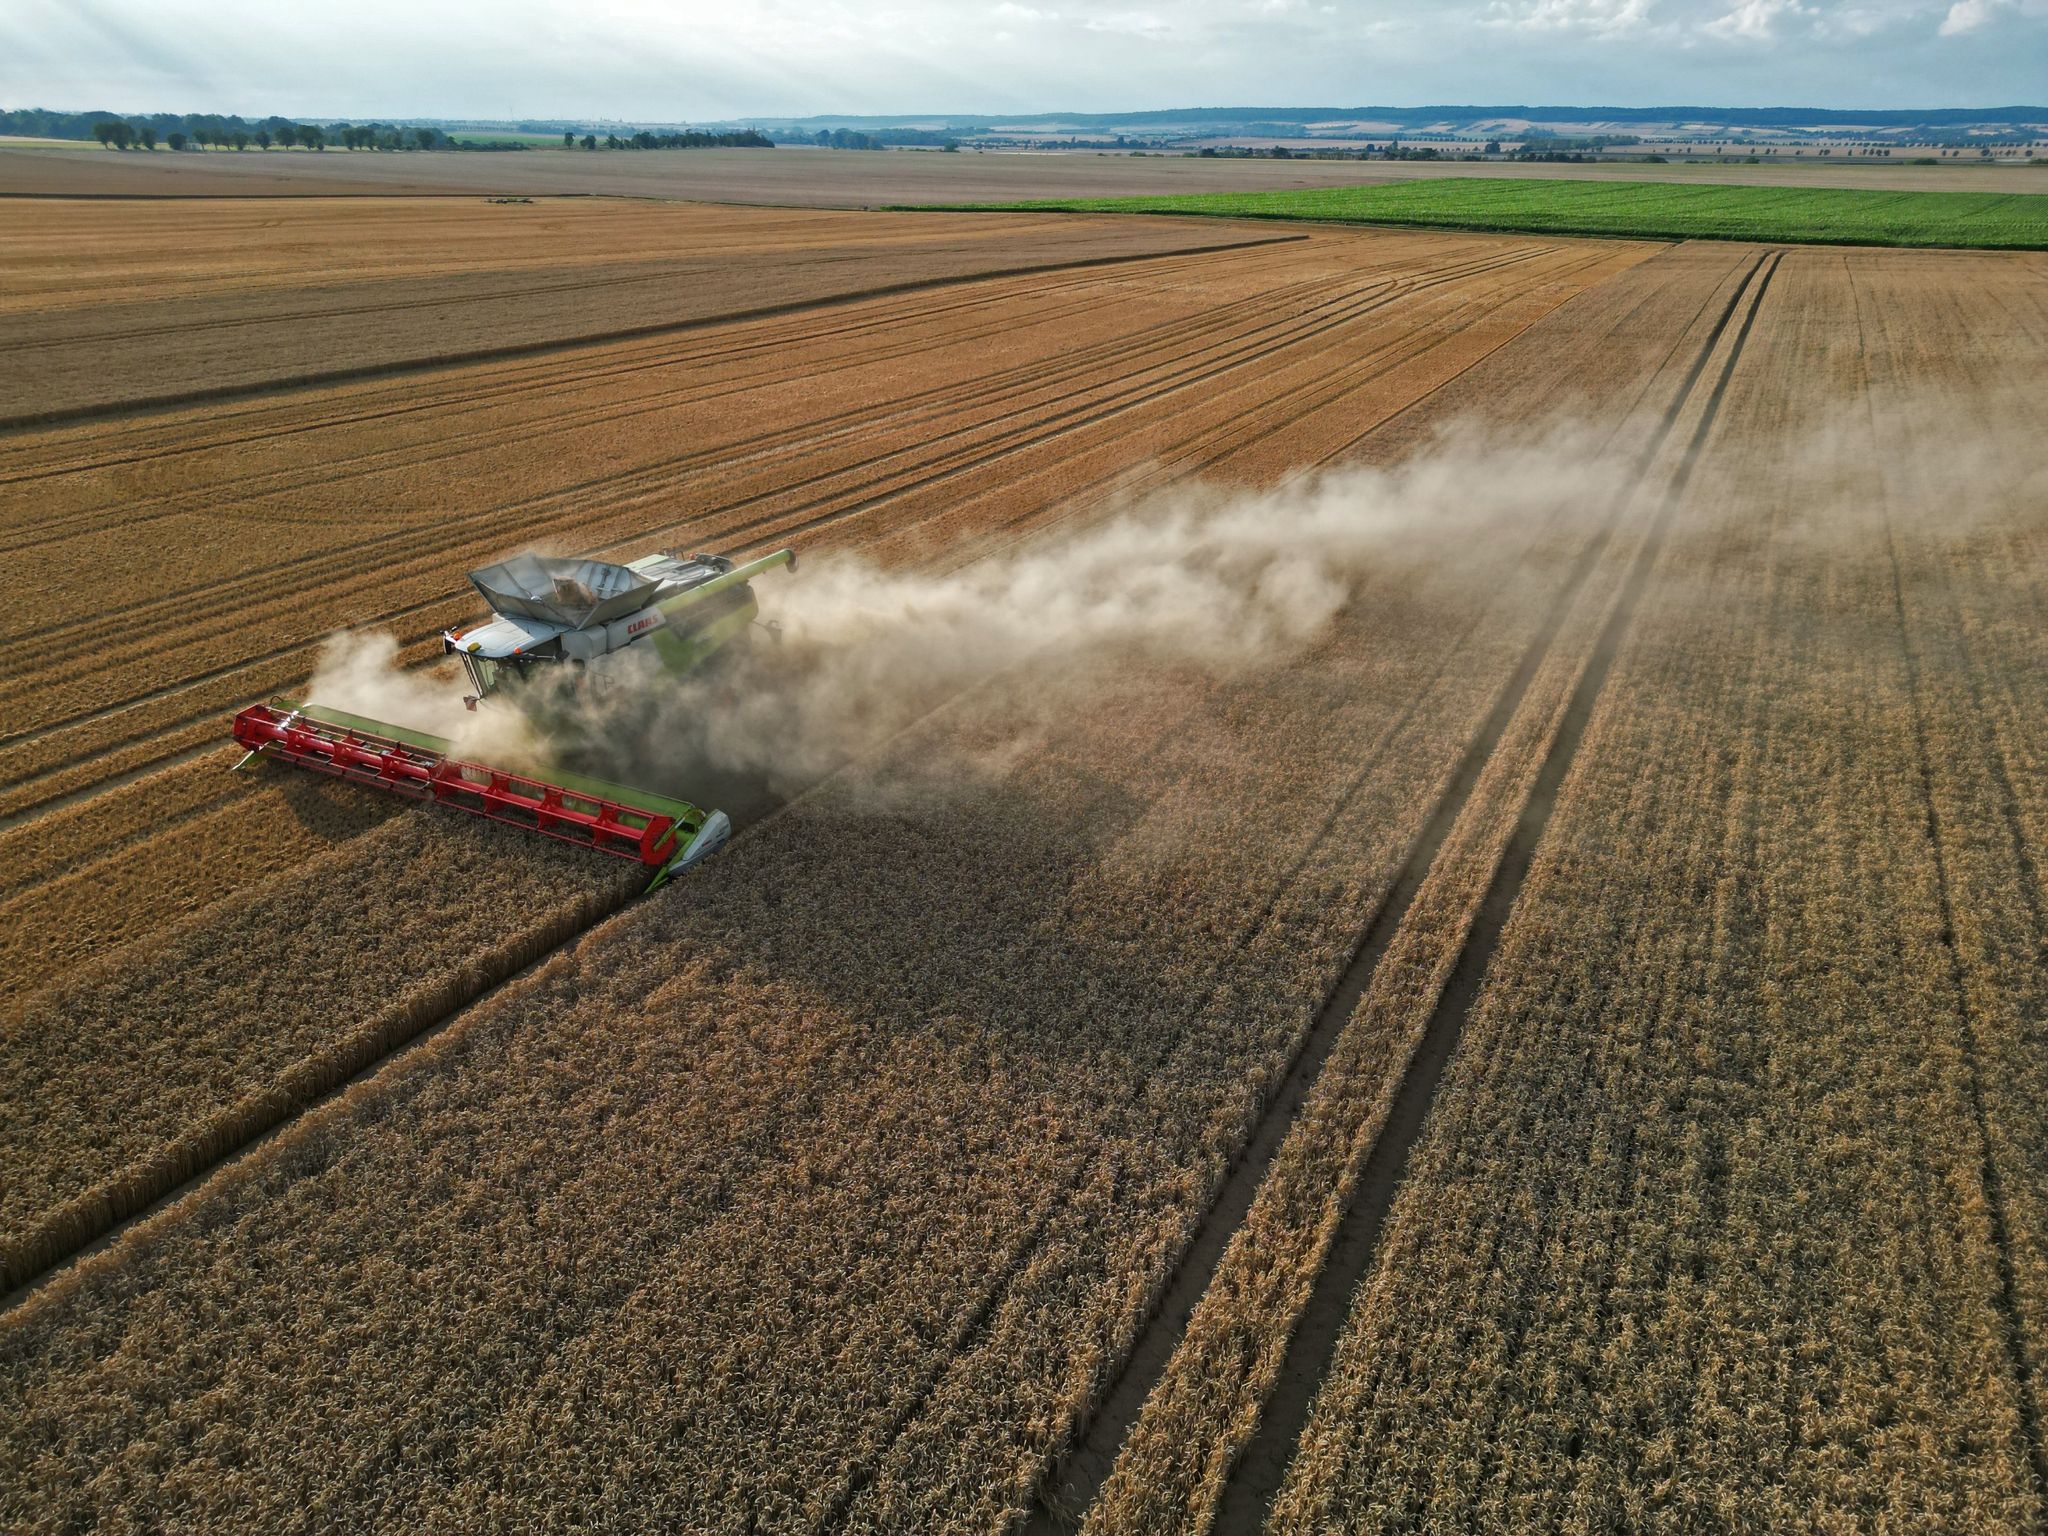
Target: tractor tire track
pixel 1254 1483
pixel 620 361
pixel 980 1316
pixel 998 387
pixel 1095 1452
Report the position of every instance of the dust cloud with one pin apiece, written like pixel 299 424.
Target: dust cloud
pixel 358 671
pixel 1221 581
pixel 1225 582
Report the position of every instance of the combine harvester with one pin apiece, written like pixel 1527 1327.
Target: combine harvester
pixel 547 615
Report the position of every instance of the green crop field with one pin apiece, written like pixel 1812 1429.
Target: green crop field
pixel 1653 210
pixel 509 136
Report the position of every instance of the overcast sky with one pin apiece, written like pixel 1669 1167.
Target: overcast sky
pixel 680 61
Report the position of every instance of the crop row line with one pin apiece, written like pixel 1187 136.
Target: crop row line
pixel 1195 455
pixel 494 388
pixel 2010 1320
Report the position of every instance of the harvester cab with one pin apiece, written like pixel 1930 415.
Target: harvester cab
pixel 546 614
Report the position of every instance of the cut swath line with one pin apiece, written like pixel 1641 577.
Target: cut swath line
pixel 1090 1464
pixel 401 368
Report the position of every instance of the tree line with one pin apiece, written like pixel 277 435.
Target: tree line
pixel 853 138
pixel 214 130
pixel 117 133
pixel 689 139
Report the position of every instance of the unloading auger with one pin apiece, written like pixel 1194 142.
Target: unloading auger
pixel 547 614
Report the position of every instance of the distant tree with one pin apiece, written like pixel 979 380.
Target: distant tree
pixel 149 138
pixel 263 138
pixel 568 140
pixel 112 134
pixel 590 141
pixel 176 140
pixel 312 135
pixel 611 141
pixel 241 140
pixel 1493 146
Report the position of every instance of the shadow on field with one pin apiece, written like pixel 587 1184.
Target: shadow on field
pixel 996 908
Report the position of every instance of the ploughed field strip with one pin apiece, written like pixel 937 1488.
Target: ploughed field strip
pixel 922 426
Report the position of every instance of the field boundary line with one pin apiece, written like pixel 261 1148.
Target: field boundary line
pixel 1246 1501
pixel 69 415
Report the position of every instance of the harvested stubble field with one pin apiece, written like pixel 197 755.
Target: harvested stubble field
pixel 997 1144
pixel 98 318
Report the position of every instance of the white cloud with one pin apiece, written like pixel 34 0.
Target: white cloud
pixel 1968 16
pixel 1608 17
pixel 672 60
pixel 1129 24
pixel 1755 21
